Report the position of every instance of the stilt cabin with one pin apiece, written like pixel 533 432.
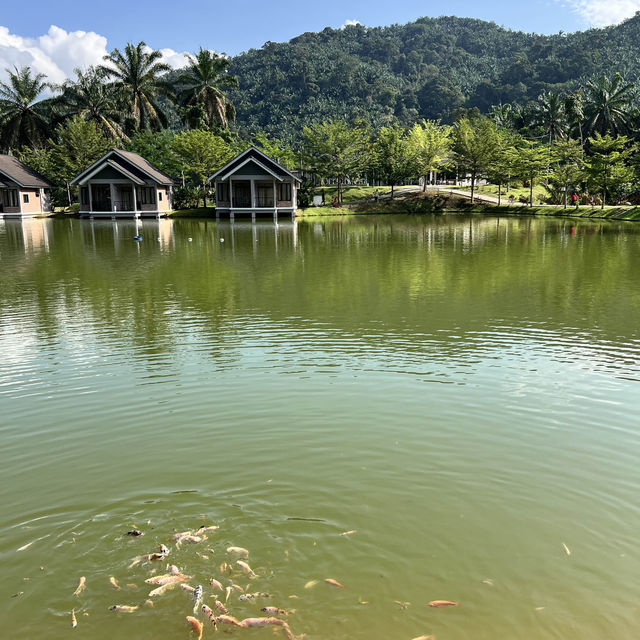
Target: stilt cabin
pixel 254 184
pixel 122 184
pixel 23 191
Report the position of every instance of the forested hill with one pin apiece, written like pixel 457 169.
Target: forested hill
pixel 427 68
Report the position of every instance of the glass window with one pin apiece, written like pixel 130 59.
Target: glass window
pixel 25 198
pixel 13 198
pixel 84 195
pixel 284 191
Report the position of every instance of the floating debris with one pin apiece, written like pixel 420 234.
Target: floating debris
pixel 17 595
pixel 348 533
pixel 135 533
pixel 402 605
pixel 81 586
pixel 488 581
pixel 424 638
pixel 566 549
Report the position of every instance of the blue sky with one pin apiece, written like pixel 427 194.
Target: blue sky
pixel 54 36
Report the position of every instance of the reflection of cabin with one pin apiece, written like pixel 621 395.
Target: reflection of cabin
pixel 123 184
pixel 254 183
pixel 23 191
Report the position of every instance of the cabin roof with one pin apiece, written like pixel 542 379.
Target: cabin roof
pixel 261 159
pixel 16 171
pixel 133 165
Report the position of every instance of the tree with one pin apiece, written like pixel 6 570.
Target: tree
pixel 503 165
pixel 607 164
pixel 91 98
pixel 202 86
pixel 574 108
pixel 431 145
pixel 201 153
pixel 77 144
pixel 569 170
pixel 395 157
pixel 336 150
pixel 136 79
pixel 608 105
pixel 475 146
pixel 25 117
pixel 275 149
pixel 549 113
pixel 531 160
pixel 157 148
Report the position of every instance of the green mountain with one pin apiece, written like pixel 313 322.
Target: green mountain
pixel 427 68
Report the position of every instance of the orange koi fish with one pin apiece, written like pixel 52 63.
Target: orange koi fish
pixel 196 626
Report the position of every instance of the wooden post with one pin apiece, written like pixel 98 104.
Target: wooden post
pixel 112 192
pixel 253 193
pixel 135 199
pixel 90 197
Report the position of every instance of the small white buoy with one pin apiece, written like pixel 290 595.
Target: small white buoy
pixel 190 239
pixel 221 239
pixel 159 239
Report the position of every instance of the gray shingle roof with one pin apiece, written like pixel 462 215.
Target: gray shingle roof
pixel 11 168
pixel 146 166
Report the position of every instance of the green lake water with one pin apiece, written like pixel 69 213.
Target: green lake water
pixel 461 392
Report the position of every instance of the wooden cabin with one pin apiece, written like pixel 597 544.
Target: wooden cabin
pixel 122 184
pixel 252 183
pixel 23 191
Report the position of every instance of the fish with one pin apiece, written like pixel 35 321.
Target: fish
pixel 228 591
pixel 197 597
pixel 114 583
pixel 424 638
pixel 442 603
pixel 203 529
pixel 225 568
pixel 224 619
pixel 148 603
pixel 196 626
pixel 167 579
pixel 566 549
pixel 246 568
pixel 274 611
pixel 212 618
pixel 220 607
pixel 74 622
pixel 402 605
pixel 310 584
pixel 237 587
pixel 188 588
pixel 82 583
pixel 334 583
pixel 488 581
pixel 349 533
pixel 252 596
pixel 162 589
pixel 174 570
pixel 156 556
pixel 123 608
pixel 239 550
pixel 135 533
pixel 187 536
pixel 215 583
pixel 164 549
pixel 138 560
pixel 202 555
pixel 262 622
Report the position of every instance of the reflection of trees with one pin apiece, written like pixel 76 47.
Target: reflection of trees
pixel 369 278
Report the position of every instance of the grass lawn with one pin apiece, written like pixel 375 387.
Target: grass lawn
pixel 539 192
pixel 350 194
pixel 209 212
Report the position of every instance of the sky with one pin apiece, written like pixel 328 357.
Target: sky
pixel 54 36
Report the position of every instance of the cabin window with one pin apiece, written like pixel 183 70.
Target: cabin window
pixel 160 196
pixel 284 191
pixel 84 195
pixel 147 195
pixel 25 198
pixel 12 198
pixel 223 192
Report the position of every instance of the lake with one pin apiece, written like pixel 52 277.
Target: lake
pixel 462 392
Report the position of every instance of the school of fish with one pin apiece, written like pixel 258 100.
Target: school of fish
pixel 202 616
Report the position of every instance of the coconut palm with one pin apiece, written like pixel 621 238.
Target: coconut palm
pixel 25 119
pixel 574 108
pixel 608 105
pixel 135 74
pixel 89 97
pixel 202 85
pixel 549 113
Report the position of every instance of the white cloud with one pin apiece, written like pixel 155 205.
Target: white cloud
pixel 58 52
pixel 350 23
pixel 600 13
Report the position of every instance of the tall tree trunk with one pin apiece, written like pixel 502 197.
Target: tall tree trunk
pixel 392 191
pixel 339 190
pixel 566 186
pixel 499 193
pixel 424 185
pixel 473 184
pixel 531 191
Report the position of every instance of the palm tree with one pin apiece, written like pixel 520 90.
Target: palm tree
pixel 574 108
pixel 608 105
pixel 202 85
pixel 93 100
pixel 135 79
pixel 549 113
pixel 24 119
